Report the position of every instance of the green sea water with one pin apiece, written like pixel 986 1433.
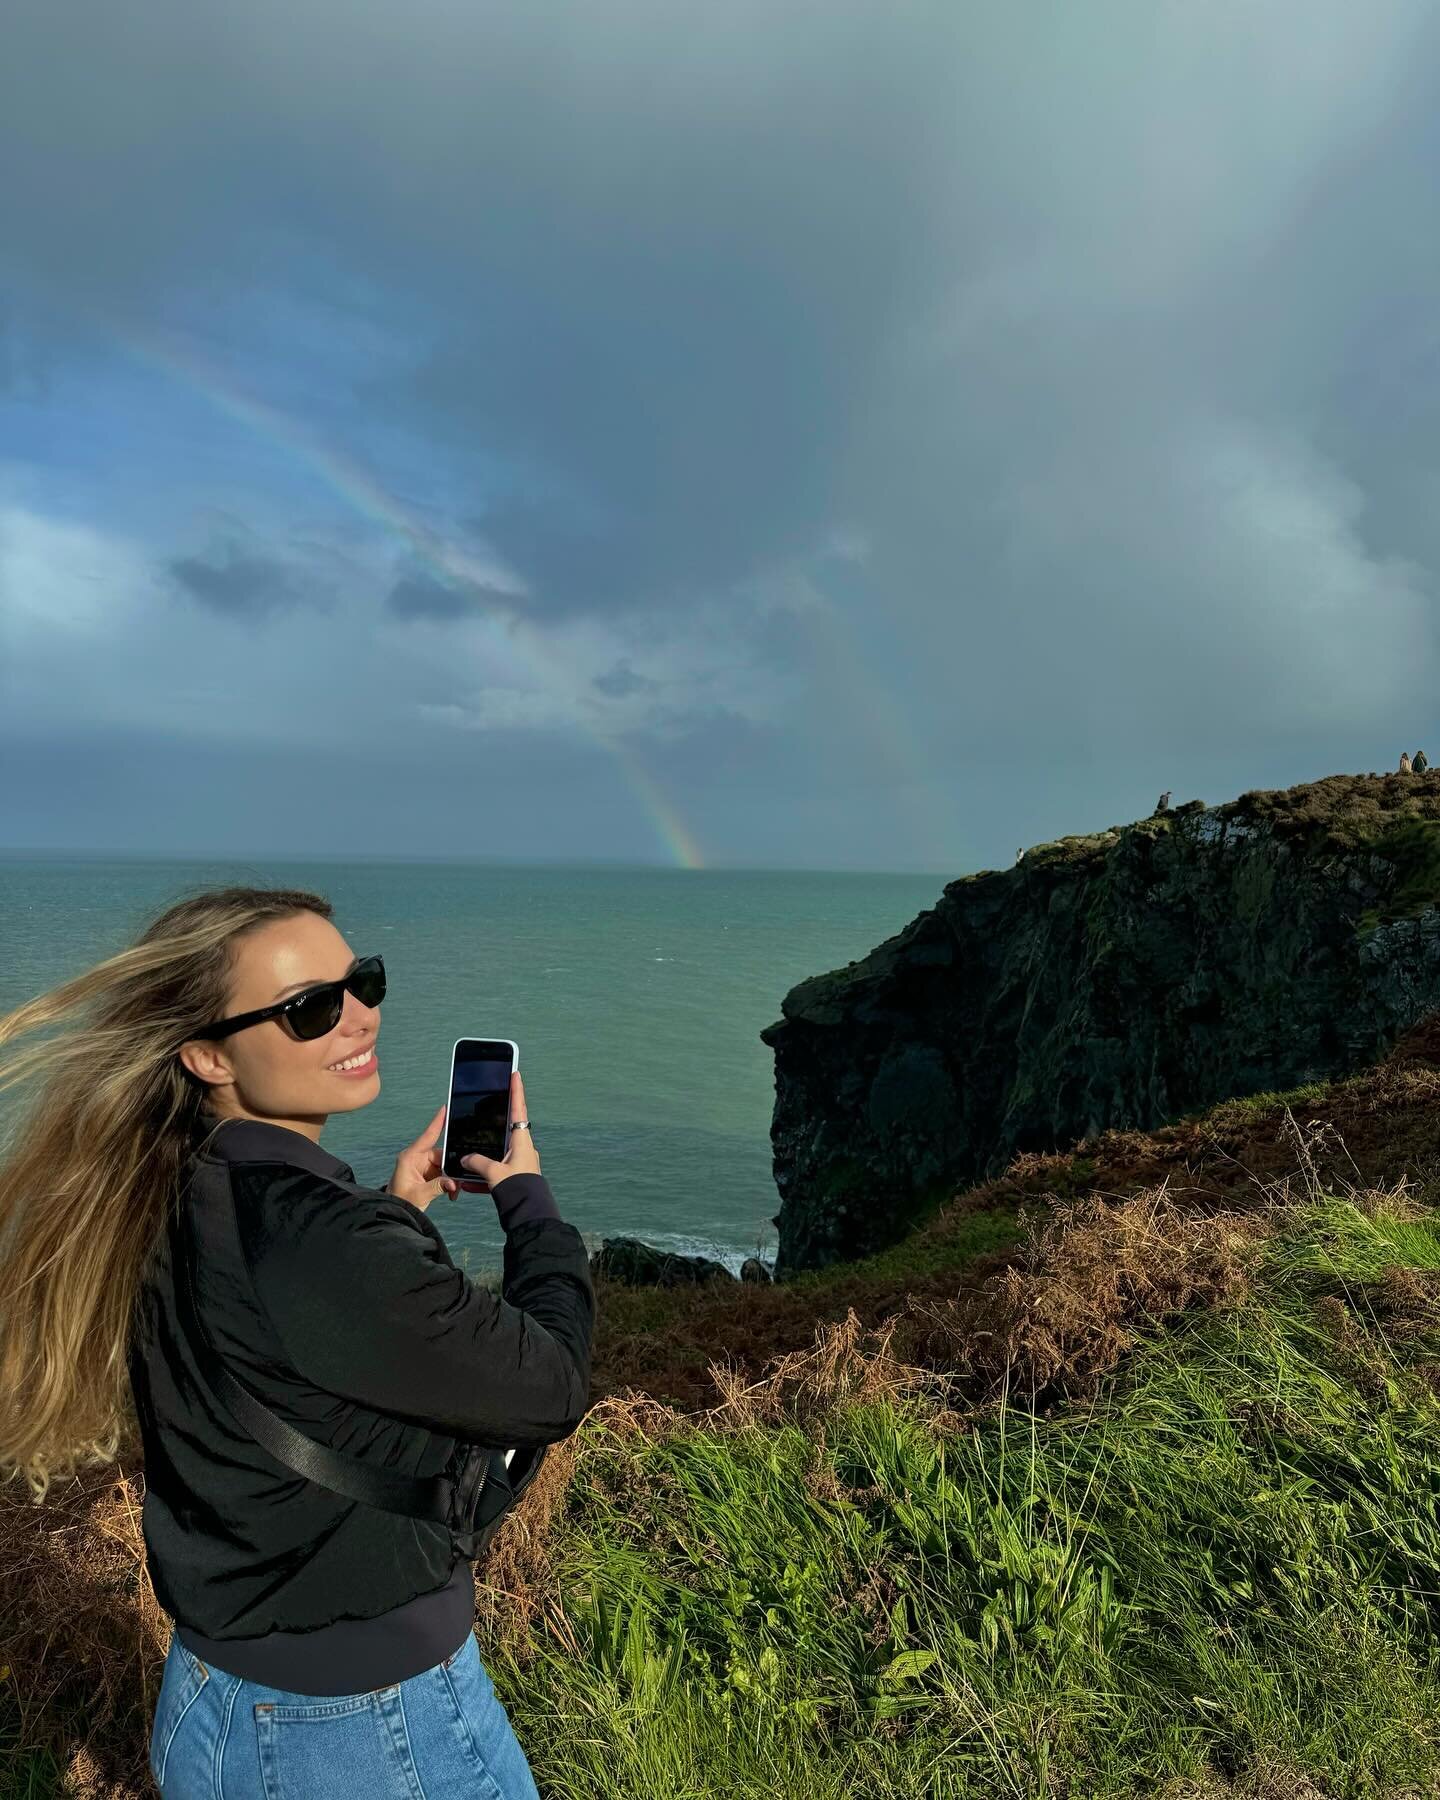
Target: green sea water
pixel 636 996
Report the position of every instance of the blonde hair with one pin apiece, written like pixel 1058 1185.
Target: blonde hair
pixel 91 1168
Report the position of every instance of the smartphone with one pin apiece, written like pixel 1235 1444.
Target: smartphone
pixel 477 1117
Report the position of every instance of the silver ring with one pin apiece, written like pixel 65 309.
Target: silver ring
pixel 520 1125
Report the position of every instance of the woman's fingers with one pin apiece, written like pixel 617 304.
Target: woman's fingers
pixel 427 1137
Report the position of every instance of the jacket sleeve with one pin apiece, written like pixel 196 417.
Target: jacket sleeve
pixel 368 1304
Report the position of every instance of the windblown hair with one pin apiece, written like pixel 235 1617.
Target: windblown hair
pixel 91 1168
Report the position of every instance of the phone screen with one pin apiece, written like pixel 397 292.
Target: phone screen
pixel 478 1116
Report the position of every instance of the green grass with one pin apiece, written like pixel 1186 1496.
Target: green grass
pixel 1247 1107
pixel 1232 1557
pixel 973 1234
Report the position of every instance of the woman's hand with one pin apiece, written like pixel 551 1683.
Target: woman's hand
pixel 418 1176
pixel 520 1159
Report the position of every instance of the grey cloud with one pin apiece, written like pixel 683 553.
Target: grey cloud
pixel 236 584
pixel 622 680
pixel 425 597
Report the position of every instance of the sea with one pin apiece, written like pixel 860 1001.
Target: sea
pixel 636 996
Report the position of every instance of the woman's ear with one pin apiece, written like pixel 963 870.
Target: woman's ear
pixel 205 1061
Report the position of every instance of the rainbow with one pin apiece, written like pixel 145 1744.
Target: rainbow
pixel 452 565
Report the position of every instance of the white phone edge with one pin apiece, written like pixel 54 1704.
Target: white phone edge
pixel 469 1037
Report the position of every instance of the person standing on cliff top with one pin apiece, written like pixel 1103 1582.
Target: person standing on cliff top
pixel 1421 762
pixel 1404 762
pixel 182 1211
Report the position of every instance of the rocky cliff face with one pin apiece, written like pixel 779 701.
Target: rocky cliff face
pixel 1121 979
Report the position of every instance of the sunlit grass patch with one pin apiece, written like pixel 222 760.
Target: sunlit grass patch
pixel 1227 1560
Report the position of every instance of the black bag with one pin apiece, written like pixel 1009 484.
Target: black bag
pixel 471 1496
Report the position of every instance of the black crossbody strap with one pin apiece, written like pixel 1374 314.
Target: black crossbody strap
pixel 435 1497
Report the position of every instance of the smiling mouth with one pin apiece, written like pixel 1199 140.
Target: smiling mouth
pixel 353 1064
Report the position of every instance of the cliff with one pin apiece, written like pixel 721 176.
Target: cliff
pixel 1120 979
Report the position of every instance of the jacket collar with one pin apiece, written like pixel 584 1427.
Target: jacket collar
pixel 258 1140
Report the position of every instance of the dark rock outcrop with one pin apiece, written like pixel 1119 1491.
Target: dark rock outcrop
pixel 639 1264
pixel 1125 979
pixel 755 1269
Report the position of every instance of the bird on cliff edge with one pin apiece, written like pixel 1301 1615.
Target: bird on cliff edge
pixel 1163 803
pixel 1420 762
pixel 1404 763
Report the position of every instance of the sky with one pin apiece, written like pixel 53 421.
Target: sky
pixel 779 434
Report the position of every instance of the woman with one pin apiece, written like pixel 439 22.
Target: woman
pixel 322 1646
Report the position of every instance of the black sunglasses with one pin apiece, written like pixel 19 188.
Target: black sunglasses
pixel 316 1010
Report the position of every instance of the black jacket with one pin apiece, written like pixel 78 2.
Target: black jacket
pixel 351 1321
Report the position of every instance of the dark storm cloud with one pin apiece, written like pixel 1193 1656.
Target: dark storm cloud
pixel 700 414
pixel 236 584
pixel 622 679
pixel 424 597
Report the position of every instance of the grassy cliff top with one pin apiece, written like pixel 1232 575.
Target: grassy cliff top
pixel 1337 814
pixel 1342 812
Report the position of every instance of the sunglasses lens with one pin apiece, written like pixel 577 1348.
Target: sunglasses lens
pixel 316 1014
pixel 367 984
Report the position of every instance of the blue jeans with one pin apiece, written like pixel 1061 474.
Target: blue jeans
pixel 440 1734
